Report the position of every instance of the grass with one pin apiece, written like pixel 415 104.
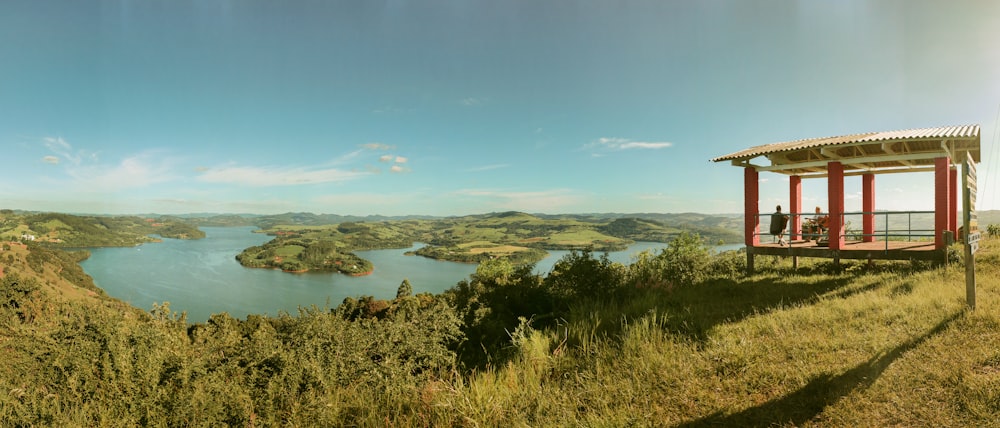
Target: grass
pixel 889 345
pixel 580 237
pixel 886 347
pixel 288 250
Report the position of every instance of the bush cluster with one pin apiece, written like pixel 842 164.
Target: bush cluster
pixel 97 364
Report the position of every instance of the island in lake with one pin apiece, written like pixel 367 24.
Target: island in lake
pixel 305 242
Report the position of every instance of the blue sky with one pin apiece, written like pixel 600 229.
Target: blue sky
pixel 463 107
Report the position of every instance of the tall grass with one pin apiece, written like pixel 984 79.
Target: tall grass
pixel 889 345
pixel 856 347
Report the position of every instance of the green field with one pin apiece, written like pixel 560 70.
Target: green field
pixel 680 338
pixel 469 239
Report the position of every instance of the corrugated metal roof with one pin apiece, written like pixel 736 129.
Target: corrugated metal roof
pixel 939 133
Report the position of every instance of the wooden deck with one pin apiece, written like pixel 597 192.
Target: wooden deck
pixel 879 250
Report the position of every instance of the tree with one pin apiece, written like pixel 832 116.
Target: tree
pixel 405 289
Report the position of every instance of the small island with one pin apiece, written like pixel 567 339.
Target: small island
pixel 304 243
pixel 298 255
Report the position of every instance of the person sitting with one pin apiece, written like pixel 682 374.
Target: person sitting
pixel 778 223
pixel 817 225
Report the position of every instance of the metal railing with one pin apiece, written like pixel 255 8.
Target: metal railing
pixel 889 225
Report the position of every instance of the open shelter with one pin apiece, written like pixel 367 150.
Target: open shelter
pixel 939 150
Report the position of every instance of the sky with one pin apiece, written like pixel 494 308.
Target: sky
pixel 465 107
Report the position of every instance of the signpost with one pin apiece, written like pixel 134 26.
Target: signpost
pixel 970 224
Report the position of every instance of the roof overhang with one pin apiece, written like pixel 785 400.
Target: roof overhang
pixel 911 150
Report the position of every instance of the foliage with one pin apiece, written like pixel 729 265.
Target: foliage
pixel 522 238
pixel 685 261
pixel 91 366
pixel 592 344
pixel 66 230
pixel 580 275
pixel 405 289
pixel 490 304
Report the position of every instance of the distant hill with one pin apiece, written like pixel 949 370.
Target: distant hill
pixel 67 230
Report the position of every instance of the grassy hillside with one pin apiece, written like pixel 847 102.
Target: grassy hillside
pixel 521 237
pixel 676 339
pixel 66 230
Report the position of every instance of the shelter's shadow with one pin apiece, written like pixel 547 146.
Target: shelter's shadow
pixel 807 402
pixel 696 310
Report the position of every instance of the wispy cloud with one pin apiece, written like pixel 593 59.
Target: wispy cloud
pixel 135 171
pixel 377 146
pixel 473 101
pixel 62 149
pixel 618 144
pixel 488 167
pixel 397 162
pixel 87 173
pixel 277 176
pixel 552 200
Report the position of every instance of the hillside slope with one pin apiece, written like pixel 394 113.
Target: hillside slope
pixel 891 345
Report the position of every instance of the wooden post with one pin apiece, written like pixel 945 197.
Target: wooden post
pixel 868 206
pixel 971 237
pixel 750 210
pixel 941 221
pixel 795 197
pixel 835 194
pixel 953 202
pixel 751 218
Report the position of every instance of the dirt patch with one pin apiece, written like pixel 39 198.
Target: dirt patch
pixel 497 249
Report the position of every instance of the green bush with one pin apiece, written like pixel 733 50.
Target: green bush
pixel 728 264
pixel 581 275
pixel 685 261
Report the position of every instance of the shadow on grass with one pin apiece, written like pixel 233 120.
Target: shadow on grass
pixel 694 311
pixel 806 403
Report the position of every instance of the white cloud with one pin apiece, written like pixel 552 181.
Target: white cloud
pixel 473 101
pixel 400 159
pixel 398 169
pixel 377 146
pixel 488 167
pixel 553 200
pixel 132 172
pixel 385 158
pixel 618 144
pixel 51 159
pixel 276 176
pixel 63 149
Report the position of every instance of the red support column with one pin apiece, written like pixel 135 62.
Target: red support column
pixel 953 202
pixel 868 206
pixel 941 184
pixel 835 194
pixel 795 197
pixel 750 196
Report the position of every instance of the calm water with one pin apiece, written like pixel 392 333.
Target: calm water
pixel 202 277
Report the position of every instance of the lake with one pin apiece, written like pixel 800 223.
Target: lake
pixel 202 276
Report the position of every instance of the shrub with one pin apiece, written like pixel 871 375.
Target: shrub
pixel 580 274
pixel 728 264
pixel 685 261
